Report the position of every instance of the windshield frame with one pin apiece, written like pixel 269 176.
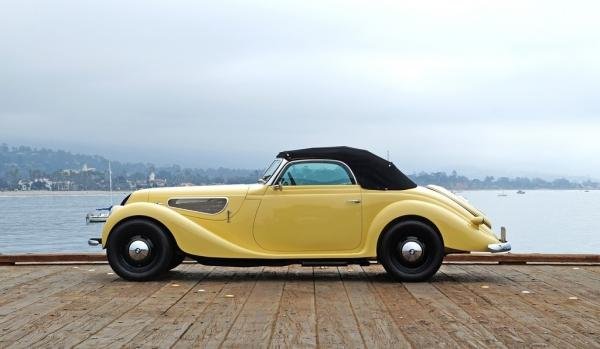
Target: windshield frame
pixel 270 171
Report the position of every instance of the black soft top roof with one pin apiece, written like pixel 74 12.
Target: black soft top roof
pixel 371 171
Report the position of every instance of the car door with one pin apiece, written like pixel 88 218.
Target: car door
pixel 314 206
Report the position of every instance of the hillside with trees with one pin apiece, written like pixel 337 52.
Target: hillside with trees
pixel 27 168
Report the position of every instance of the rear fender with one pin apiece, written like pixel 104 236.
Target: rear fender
pixel 457 232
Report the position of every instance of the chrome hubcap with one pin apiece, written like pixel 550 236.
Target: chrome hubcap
pixel 412 251
pixel 138 250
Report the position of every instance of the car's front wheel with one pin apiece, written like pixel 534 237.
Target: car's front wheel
pixel 139 250
pixel 411 251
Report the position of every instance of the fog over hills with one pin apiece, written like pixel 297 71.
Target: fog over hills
pixel 27 168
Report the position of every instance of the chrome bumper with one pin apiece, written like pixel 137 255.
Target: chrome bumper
pixel 95 242
pixel 500 247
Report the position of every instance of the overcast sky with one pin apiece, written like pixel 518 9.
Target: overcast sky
pixel 511 88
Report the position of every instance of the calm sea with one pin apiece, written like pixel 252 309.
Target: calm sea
pixel 538 221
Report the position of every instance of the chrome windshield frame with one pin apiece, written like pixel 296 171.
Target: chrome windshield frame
pixel 284 164
pixel 271 180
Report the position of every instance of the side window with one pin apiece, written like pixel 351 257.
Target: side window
pixel 316 173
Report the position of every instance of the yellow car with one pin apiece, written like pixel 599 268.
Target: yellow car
pixel 316 206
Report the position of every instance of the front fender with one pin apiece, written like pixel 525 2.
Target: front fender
pixel 191 237
pixel 457 232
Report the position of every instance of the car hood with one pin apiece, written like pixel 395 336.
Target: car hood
pixel 203 190
pixel 235 195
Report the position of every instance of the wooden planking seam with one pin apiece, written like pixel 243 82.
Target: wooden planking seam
pixel 296 324
pixel 362 336
pixel 255 320
pixel 336 324
pixel 278 311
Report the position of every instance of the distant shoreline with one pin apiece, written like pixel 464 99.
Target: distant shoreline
pixel 117 193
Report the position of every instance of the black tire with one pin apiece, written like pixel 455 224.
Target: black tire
pixel 178 258
pixel 411 251
pixel 140 264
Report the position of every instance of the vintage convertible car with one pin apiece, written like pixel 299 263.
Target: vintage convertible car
pixel 316 206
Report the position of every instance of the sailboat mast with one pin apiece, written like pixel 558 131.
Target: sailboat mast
pixel 110 183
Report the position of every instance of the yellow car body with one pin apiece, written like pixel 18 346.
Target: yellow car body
pixel 312 205
pixel 304 222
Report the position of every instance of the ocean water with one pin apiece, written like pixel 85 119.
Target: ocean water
pixel 552 221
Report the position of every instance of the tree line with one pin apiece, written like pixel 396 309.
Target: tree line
pixel 27 168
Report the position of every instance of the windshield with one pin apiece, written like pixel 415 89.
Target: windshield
pixel 270 171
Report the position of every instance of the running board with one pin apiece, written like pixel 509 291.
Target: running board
pixel 334 263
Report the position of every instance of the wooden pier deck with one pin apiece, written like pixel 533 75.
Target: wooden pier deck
pixel 464 305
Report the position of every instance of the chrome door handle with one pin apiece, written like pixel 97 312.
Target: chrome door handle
pixel 354 201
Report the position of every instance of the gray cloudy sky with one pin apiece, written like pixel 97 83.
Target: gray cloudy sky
pixel 510 88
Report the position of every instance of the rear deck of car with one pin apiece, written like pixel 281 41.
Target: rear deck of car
pixel 477 305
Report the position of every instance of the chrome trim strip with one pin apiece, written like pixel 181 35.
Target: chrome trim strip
pixel 199 197
pixel 500 247
pixel 289 163
pixel 271 180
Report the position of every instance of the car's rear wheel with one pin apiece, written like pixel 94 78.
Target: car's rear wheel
pixel 411 251
pixel 139 250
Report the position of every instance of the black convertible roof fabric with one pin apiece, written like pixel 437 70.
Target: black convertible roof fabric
pixel 371 171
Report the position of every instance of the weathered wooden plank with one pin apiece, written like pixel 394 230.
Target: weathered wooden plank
pixel 510 333
pixel 129 324
pixel 376 324
pixel 212 326
pixel 465 330
pixel 12 272
pixel 296 324
pixel 113 302
pixel 165 330
pixel 409 315
pixel 336 323
pixel 343 306
pixel 38 289
pixel 489 286
pixel 254 325
pixel 10 285
pixel 578 281
pixel 530 311
pixel 582 315
pixel 41 318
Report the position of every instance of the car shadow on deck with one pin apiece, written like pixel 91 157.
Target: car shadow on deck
pixel 375 275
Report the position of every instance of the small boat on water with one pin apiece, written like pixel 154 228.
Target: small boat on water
pixel 520 192
pixel 502 193
pixel 98 216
